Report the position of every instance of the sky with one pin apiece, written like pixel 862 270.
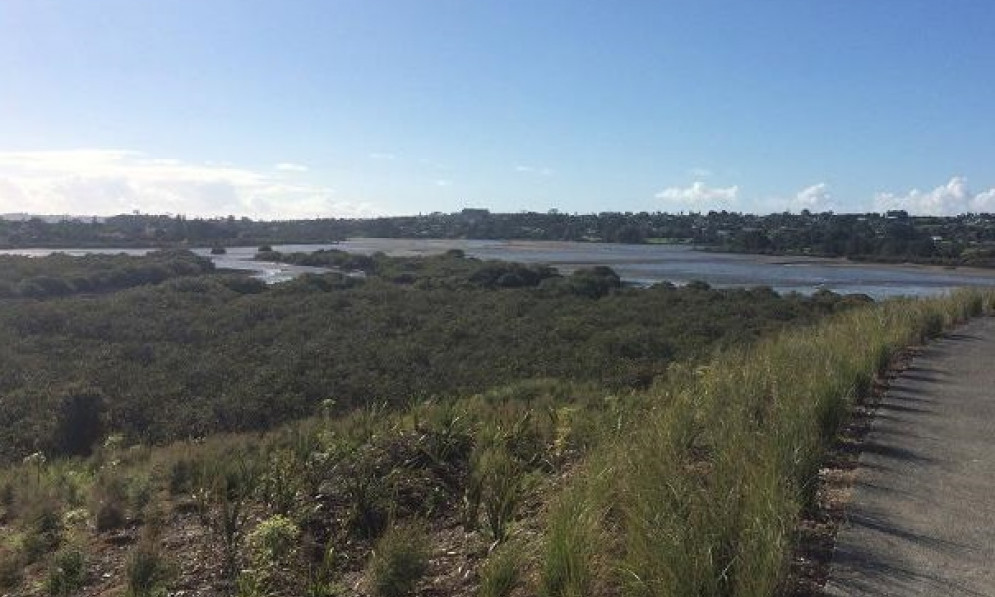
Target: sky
pixel 353 108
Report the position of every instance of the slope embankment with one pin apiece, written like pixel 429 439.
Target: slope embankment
pixel 922 517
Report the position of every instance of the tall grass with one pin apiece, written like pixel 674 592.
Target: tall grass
pixel 705 491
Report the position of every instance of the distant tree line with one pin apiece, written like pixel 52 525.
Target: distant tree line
pixel 892 236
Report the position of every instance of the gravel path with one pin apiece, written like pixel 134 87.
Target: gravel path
pixel 922 516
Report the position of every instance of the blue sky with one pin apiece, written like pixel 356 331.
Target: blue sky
pixel 307 108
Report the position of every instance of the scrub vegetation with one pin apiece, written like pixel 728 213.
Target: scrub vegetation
pixel 435 435
pixel 221 353
pixel 61 275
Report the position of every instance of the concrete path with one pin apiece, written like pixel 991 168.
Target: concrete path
pixel 922 516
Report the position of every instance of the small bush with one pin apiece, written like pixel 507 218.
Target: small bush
pixel 500 479
pixel 109 500
pixel 274 540
pixel 44 529
pixel 272 547
pixel 147 572
pixel 399 561
pixel 569 545
pixel 502 571
pixel 139 493
pixel 180 477
pixel 321 576
pixel 67 573
pixel 11 569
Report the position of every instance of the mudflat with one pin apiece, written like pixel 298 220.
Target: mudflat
pixel 922 516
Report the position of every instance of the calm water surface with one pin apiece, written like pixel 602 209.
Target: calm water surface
pixel 644 264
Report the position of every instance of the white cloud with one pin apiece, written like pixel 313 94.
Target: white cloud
pixel 105 182
pixel 984 202
pixel 291 167
pixel 816 198
pixel 950 199
pixel 700 196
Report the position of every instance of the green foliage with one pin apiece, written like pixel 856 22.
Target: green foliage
pixel 690 486
pixel 11 568
pixel 321 576
pixel 281 482
pixel 78 422
pixel 147 571
pixel 110 500
pixel 43 529
pixel 706 488
pixel 498 478
pixel 60 275
pixel 224 504
pixel 399 561
pixel 273 541
pixel 502 572
pixel 272 550
pixel 197 355
pixel 572 537
pixel 967 239
pixel 66 573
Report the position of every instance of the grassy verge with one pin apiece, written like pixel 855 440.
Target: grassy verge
pixel 703 495
pixel 550 487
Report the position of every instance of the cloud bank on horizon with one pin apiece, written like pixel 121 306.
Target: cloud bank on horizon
pixel 108 182
pixel 949 199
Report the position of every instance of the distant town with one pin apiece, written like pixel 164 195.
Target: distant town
pixel 893 236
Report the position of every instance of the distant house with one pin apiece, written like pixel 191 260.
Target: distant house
pixel 473 215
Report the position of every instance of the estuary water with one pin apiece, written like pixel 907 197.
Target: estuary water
pixel 639 264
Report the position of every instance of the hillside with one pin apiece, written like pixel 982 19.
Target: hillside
pixel 600 467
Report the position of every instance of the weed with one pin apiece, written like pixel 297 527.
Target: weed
pixel 568 569
pixel 500 479
pixel 502 571
pixel 223 505
pixel 66 573
pixel 321 576
pixel 11 569
pixel 280 484
pixel 110 500
pixel 365 488
pixel 399 561
pixel 272 549
pixel 43 532
pixel 147 571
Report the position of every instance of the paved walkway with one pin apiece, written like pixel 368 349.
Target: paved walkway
pixel 922 518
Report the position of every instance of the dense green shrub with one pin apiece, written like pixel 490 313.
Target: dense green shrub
pixel 196 355
pixel 66 573
pixel 60 275
pixel 78 422
pixel 272 552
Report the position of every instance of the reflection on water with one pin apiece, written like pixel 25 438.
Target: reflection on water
pixel 643 264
